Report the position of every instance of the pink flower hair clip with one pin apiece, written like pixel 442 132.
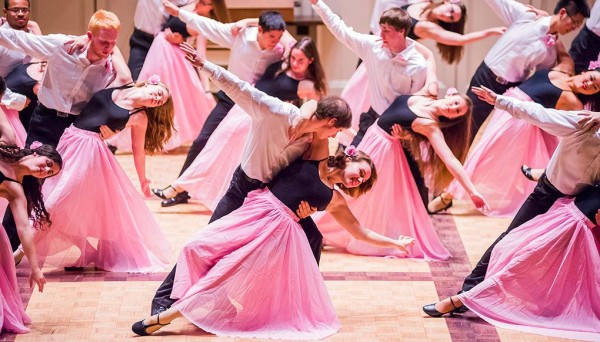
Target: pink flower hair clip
pixel 351 151
pixel 454 2
pixel 154 80
pixel 451 91
pixel 34 145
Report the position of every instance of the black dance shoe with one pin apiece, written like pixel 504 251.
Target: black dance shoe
pixel 140 328
pixel 161 192
pixel 445 205
pixel 527 172
pixel 431 311
pixel 181 198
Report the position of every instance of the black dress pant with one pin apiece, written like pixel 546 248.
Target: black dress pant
pixel 539 202
pixel 585 48
pixel 233 199
pixel 139 45
pixel 46 127
pixel 481 109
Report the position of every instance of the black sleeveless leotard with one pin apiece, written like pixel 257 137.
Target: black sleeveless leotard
pixel 101 110
pixel 411 31
pixel 588 202
pixel 397 113
pixel 541 90
pixel 20 82
pixel 281 86
pixel 4 178
pixel 300 181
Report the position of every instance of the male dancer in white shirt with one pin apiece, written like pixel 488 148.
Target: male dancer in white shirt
pixel 70 80
pixel 574 166
pixel 396 65
pixel 586 46
pixel 528 44
pixel 279 134
pixel 252 50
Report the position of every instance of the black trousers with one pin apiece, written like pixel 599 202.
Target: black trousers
pixel 139 45
pixel 46 127
pixel 539 202
pixel 585 48
pixel 238 189
pixel 481 109
pixel 366 120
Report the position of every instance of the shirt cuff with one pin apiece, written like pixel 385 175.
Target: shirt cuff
pixel 185 15
pixel 13 100
pixel 502 102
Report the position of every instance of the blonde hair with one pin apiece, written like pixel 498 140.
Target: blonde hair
pixel 103 19
pixel 160 123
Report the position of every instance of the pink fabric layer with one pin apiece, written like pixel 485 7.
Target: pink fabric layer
pixel 192 104
pixel 97 214
pixel 252 274
pixel 543 277
pixel 14 121
pixel 12 315
pixel 356 93
pixel 208 177
pixel 494 165
pixel 392 208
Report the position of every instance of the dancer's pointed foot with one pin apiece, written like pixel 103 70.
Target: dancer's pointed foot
pixel 447 306
pixel 166 193
pixel 148 326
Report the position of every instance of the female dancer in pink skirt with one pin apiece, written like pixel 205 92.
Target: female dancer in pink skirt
pixel 98 215
pixel 495 172
pixel 441 126
pixel 252 273
pixel 543 276
pixel 443 22
pixel 207 179
pixel 191 97
pixel 19 170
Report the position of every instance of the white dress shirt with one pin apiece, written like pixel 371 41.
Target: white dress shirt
pixel 268 149
pixel 10 59
pixel 521 49
pixel 575 163
pixel 388 76
pixel 246 60
pixel 593 22
pixel 70 80
pixel 150 15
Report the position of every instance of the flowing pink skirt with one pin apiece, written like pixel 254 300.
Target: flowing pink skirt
pixel 543 277
pixel 192 104
pixel 392 208
pixel 252 274
pixel 494 166
pixel 97 214
pixel 208 177
pixel 356 93
pixel 14 121
pixel 12 315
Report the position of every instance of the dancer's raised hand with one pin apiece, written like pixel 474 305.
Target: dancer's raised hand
pixel 192 55
pixel 485 94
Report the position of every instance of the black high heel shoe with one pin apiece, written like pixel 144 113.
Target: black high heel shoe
pixel 526 170
pixel 161 192
pixel 140 328
pixel 446 204
pixel 431 311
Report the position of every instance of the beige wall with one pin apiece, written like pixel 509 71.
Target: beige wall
pixel 71 16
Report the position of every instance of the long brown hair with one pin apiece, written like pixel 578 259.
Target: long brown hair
pixel 457 134
pixel 315 69
pixel 32 186
pixel 160 123
pixel 449 53
pixel 341 159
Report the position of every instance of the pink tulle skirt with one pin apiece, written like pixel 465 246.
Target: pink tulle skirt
pixel 97 215
pixel 12 315
pixel 192 104
pixel 14 121
pixel 393 207
pixel 252 274
pixel 207 179
pixel 356 93
pixel 543 277
pixel 494 165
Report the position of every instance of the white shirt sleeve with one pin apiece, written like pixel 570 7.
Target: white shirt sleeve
pixel 357 42
pixel 253 101
pixel 211 29
pixel 13 100
pixel 42 47
pixel 509 11
pixel 560 123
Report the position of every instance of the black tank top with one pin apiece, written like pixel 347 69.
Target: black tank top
pixel 397 113
pixel 20 82
pixel 411 30
pixel 101 110
pixel 176 26
pixel 4 178
pixel 300 181
pixel 281 86
pixel 541 90
pixel 588 202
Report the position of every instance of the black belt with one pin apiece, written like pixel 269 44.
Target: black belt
pixel 144 34
pixel 252 181
pixel 58 113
